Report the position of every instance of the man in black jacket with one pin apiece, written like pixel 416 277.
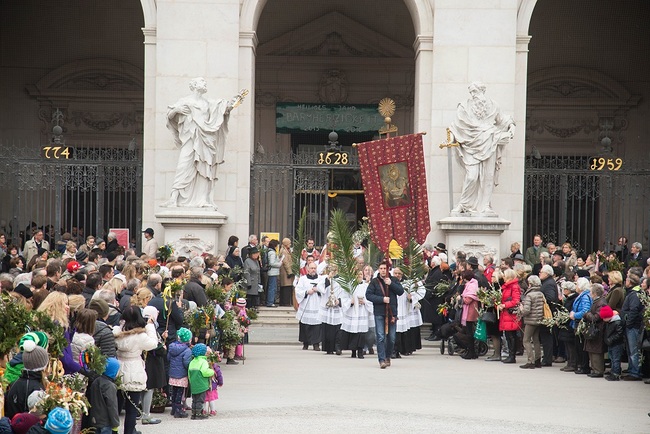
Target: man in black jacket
pixel 549 289
pixel 172 309
pixel 635 257
pixel 194 289
pixel 382 292
pixel 104 339
pixel 632 317
pixel 92 283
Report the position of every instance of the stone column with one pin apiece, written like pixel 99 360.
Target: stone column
pixel 149 130
pixel 474 42
pixel 195 38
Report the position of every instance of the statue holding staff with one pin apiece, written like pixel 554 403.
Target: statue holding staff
pixel 481 131
pixel 200 127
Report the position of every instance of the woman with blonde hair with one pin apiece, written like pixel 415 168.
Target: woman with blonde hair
pixel 70 250
pixel 116 284
pixel 616 294
pixel 286 275
pixel 515 249
pixel 57 307
pixel 142 297
pixel 508 321
pixel 129 272
pixel 76 302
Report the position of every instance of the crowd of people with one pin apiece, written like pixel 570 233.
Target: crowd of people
pixel 553 305
pixel 136 309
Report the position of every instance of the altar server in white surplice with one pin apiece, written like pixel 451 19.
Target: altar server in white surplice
pixel 330 310
pixel 409 317
pixel 356 314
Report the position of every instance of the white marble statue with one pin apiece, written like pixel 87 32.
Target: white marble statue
pixel 482 130
pixel 200 127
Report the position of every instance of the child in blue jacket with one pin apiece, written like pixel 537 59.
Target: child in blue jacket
pixel 179 356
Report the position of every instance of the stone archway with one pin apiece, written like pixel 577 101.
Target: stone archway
pixel 422 19
pixel 340 47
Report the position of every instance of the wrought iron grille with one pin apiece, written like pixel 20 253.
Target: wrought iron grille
pixel 282 184
pixel 567 201
pixel 93 190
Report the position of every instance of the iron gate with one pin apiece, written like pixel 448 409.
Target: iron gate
pixel 92 190
pixel 282 184
pixel 574 199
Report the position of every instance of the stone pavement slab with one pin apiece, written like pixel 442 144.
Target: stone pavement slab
pixel 283 389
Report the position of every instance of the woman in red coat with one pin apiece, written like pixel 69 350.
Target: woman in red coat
pixel 508 321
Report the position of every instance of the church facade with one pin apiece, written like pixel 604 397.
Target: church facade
pixel 573 77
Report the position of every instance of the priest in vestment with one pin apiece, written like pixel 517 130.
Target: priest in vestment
pixel 309 294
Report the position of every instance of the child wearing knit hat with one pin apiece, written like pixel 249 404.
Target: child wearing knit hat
pixel 102 394
pixel 179 356
pixel 35 362
pixel 15 366
pixel 199 373
pixel 614 340
pixel 59 421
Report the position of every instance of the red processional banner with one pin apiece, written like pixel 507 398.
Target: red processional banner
pixel 395 189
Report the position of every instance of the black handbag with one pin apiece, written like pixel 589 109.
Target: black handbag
pixel 489 316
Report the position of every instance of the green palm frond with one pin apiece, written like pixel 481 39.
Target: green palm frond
pixel 342 251
pixel 412 263
pixel 298 243
pixel 373 256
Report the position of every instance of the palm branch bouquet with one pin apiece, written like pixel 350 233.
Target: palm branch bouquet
pixel 298 243
pixel 342 246
pixel 16 321
pixel 441 288
pixel 489 297
pixel 412 265
pixel 215 292
pixel 230 333
pixel 200 319
pixel 560 319
pixel 165 252
pixel 171 290
pixel 582 328
pixel 65 393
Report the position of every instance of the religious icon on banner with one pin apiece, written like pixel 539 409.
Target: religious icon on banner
pixel 394 179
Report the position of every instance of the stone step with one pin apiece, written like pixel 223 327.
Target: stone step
pixel 268 314
pixel 276 309
pixel 273 322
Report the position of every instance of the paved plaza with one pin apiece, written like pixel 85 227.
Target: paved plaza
pixel 282 388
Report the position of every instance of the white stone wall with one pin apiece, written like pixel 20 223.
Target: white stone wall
pixel 475 41
pixel 197 39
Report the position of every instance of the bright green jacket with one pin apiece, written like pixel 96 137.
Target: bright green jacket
pixel 199 373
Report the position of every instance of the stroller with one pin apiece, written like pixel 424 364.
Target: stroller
pixel 454 338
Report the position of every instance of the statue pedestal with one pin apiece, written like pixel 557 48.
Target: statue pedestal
pixel 476 235
pixel 191 229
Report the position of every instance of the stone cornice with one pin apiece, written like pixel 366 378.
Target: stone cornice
pixel 249 39
pixel 149 35
pixel 423 43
